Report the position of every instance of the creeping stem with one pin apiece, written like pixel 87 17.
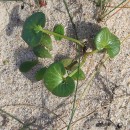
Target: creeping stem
pixel 39 28
pixel 79 43
pixel 62 36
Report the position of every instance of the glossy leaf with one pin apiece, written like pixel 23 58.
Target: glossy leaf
pixel 40 74
pixel 60 30
pixel 56 83
pixel 106 40
pixel 113 50
pixel 54 75
pixel 66 62
pixel 29 33
pixel 46 41
pixel 42 52
pixel 79 74
pixel 65 89
pixel 27 66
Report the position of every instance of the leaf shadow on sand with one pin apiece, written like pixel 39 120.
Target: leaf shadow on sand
pixel 14 20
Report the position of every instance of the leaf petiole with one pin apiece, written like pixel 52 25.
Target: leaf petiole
pixel 62 36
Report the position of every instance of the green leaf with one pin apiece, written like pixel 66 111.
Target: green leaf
pixel 60 30
pixel 56 83
pixel 79 74
pixel 64 89
pixel 113 50
pixel 106 40
pixel 40 74
pixel 54 75
pixel 27 66
pixel 66 62
pixel 42 52
pixel 46 41
pixel 32 23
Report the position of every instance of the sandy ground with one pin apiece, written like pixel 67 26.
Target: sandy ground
pixel 108 100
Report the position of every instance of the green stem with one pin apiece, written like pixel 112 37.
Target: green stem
pixel 88 54
pixel 83 61
pixel 113 9
pixel 62 36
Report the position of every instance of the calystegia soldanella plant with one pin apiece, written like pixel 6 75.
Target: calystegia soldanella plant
pixel 59 78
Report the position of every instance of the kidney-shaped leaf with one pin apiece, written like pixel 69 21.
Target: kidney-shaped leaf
pixel 41 51
pixel 29 34
pixel 46 41
pixel 65 88
pixel 56 83
pixel 79 75
pixel 27 65
pixel 40 74
pixel 106 40
pixel 60 30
